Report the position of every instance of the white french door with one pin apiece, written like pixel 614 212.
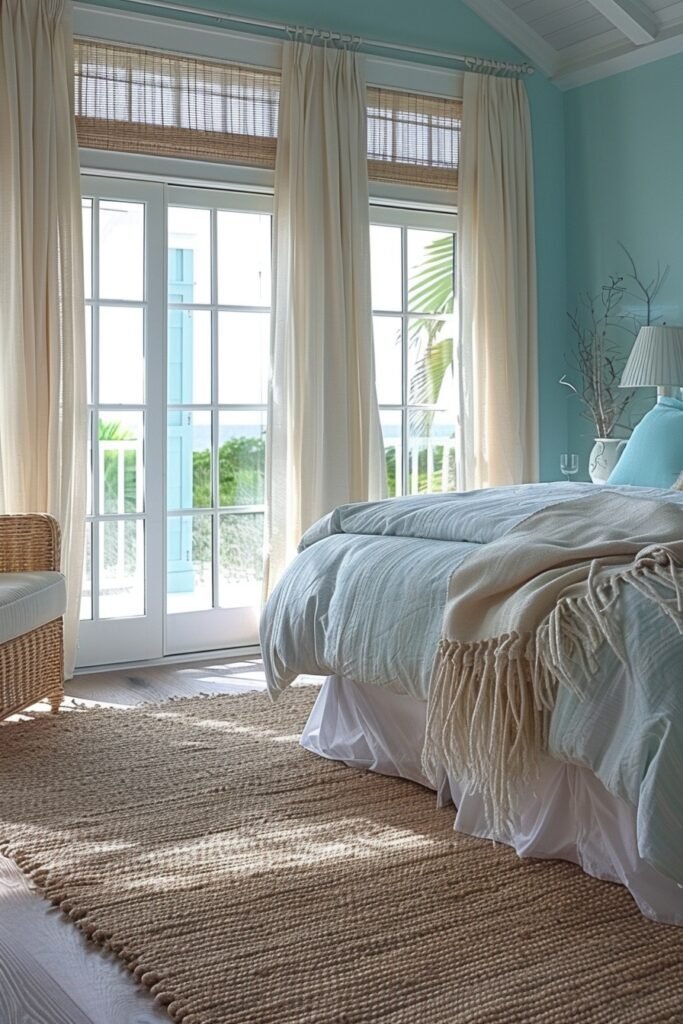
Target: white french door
pixel 178 316
pixel 121 611
pixel 217 381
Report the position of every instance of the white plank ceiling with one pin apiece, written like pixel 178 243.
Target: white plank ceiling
pixel 579 41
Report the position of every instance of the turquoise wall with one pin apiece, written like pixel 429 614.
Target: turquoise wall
pixel 624 140
pixel 450 25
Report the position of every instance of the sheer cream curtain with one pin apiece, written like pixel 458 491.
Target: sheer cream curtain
pixel 42 344
pixel 325 441
pixel 499 376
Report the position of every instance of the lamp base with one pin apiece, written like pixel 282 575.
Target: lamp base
pixel 665 391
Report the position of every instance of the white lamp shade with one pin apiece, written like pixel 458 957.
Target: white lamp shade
pixel 656 359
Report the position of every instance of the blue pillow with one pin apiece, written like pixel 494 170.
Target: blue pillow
pixel 653 456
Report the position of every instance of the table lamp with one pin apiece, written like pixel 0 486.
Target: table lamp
pixel 656 360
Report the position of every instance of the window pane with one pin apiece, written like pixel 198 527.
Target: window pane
pixel 388 359
pixel 122 250
pixel 430 271
pixel 86 589
pixel 189 563
pixel 122 363
pixel 243 358
pixel 189 357
pixel 393 448
pixel 242 457
pixel 189 460
pixel 89 471
pixel 88 353
pixel 87 247
pixel 122 568
pixel 385 252
pixel 120 453
pixel 431 452
pixel 243 259
pixel 189 255
pixel 241 559
pixel 430 362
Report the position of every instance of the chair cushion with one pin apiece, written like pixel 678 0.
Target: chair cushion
pixel 653 456
pixel 29 600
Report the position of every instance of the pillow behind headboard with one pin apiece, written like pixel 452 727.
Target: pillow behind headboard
pixel 653 456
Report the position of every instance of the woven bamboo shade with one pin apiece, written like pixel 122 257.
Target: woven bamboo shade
pixel 138 101
pixel 413 139
pixel 141 101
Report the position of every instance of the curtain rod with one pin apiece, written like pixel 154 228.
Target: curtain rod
pixel 480 64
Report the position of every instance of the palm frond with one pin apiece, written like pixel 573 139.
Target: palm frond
pixel 431 291
pixel 112 430
pixel 431 286
pixel 428 378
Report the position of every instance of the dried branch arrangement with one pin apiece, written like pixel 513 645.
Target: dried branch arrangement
pixel 599 323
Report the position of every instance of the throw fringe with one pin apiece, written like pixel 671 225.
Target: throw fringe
pixel 490 701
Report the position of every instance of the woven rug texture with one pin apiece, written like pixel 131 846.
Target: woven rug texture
pixel 246 881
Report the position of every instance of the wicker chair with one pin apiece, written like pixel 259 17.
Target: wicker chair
pixel 31 665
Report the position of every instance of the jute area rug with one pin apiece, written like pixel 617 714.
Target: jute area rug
pixel 246 881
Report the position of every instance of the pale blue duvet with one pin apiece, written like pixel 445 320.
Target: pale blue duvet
pixel 365 599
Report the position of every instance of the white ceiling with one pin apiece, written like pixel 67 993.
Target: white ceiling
pixel 579 41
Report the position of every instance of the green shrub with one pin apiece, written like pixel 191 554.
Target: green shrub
pixel 241 467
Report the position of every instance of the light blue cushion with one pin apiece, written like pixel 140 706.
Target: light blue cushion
pixel 29 600
pixel 653 456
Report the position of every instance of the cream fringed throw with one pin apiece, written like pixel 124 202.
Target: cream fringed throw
pixel 530 611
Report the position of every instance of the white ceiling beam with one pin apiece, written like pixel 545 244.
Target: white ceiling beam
pixel 516 31
pixel 585 63
pixel 633 18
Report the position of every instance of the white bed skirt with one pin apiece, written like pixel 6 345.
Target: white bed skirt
pixel 569 815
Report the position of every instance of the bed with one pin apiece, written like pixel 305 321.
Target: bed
pixel 366 601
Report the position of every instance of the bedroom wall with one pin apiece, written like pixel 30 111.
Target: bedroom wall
pixel 444 25
pixel 624 140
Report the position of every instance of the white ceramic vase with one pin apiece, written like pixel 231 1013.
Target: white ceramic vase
pixel 604 457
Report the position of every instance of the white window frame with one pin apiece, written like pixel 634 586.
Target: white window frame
pixel 392 204
pixel 218 43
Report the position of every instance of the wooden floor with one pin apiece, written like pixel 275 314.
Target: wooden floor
pixel 49 974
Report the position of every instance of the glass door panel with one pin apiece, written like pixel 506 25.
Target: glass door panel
pixel 415 331
pixel 218 317
pixel 121 609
